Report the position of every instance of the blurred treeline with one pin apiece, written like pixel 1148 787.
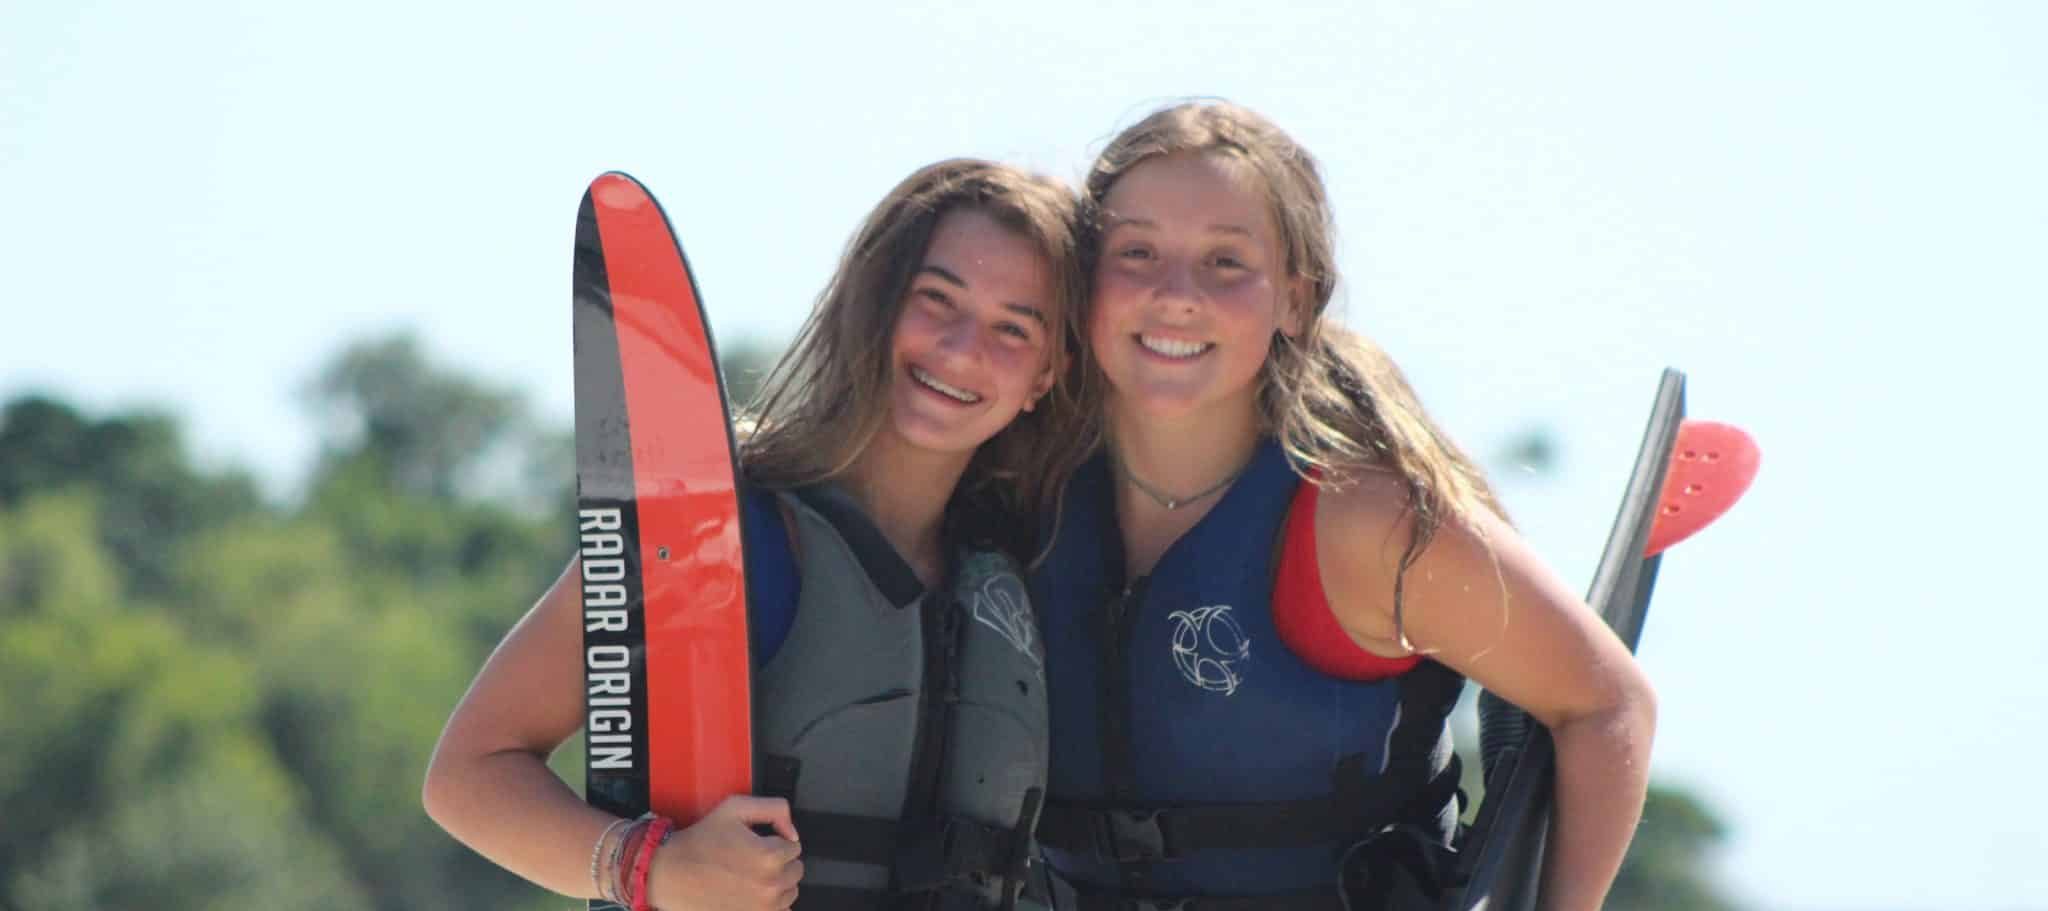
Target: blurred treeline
pixel 211 698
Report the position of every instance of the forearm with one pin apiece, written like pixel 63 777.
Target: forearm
pixel 515 811
pixel 1603 772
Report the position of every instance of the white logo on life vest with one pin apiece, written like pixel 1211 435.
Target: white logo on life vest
pixel 1209 647
pixel 1001 604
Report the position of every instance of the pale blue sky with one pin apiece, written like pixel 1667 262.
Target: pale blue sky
pixel 1832 216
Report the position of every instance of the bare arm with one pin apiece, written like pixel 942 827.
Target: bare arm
pixel 1482 602
pixel 489 784
pixel 490 787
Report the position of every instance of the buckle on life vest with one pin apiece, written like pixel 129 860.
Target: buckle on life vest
pixel 949 849
pixel 1133 836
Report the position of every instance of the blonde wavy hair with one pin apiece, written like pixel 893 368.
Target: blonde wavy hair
pixel 1334 400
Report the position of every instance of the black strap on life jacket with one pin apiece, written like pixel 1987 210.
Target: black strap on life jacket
pixel 1142 834
pixel 1416 783
pixel 925 858
pixel 1321 900
pixel 1399 868
pixel 1419 782
pixel 1396 869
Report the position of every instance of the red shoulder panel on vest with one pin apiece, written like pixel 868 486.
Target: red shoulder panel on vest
pixel 1301 609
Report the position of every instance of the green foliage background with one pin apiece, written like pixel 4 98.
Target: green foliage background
pixel 213 700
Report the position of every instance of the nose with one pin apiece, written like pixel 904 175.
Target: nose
pixel 1177 292
pixel 961 340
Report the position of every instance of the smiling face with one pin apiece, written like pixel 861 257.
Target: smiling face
pixel 1190 287
pixel 971 347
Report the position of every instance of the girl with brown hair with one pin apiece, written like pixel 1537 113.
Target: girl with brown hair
pixel 911 428
pixel 1268 479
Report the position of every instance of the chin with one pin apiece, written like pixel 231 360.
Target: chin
pixel 931 437
pixel 1160 402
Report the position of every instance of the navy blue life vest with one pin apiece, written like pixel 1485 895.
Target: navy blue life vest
pixel 771 573
pixel 1195 758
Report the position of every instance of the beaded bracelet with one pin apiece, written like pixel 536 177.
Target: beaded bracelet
pixel 616 870
pixel 597 853
pixel 652 838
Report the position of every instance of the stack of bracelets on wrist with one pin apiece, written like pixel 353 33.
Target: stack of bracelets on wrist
pixel 619 866
pixel 604 860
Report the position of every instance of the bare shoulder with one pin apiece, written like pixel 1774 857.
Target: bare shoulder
pixel 1476 596
pixel 1373 507
pixel 1371 522
pixel 1463 573
pixel 1362 529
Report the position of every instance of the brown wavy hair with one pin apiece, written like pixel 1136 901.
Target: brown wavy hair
pixel 1334 400
pixel 825 399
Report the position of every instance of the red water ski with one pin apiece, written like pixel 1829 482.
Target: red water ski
pixel 666 658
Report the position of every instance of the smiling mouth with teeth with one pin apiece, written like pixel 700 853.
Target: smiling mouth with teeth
pixel 1173 348
pixel 936 385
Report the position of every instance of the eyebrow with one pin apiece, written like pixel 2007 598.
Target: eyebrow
pixel 944 273
pixel 1029 311
pixel 1118 221
pixel 948 276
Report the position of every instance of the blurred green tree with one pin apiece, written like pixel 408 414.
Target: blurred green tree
pixel 151 496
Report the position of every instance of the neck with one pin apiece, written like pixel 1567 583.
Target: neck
pixel 904 491
pixel 1181 456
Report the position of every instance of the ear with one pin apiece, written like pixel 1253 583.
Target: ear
pixel 1039 388
pixel 1294 310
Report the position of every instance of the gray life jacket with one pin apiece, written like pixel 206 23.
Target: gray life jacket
pixel 908 728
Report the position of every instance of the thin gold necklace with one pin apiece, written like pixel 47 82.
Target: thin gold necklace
pixel 1171 503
